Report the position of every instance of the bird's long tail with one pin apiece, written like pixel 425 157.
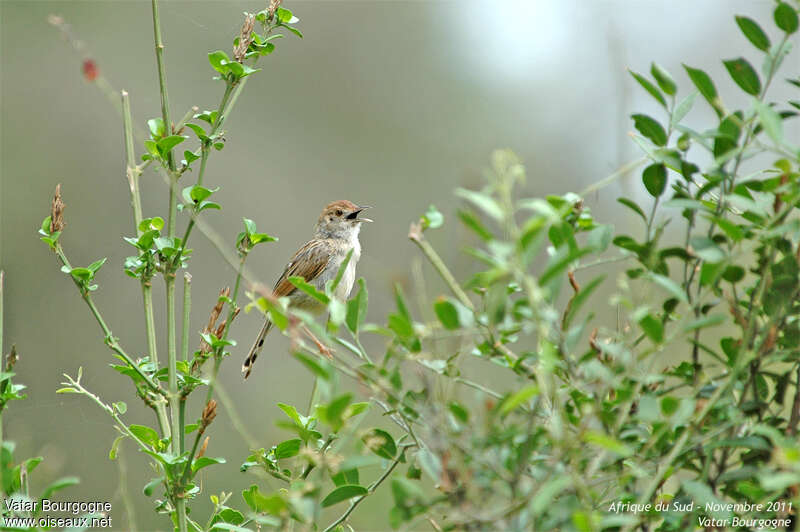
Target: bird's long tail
pixel 247 367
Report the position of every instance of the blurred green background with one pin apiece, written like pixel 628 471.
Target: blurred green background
pixel 391 104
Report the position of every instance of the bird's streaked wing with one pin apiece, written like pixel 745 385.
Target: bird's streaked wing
pixel 309 261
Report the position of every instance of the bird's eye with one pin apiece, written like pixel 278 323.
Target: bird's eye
pixel 338 212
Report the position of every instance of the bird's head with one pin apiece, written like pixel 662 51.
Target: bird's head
pixel 339 219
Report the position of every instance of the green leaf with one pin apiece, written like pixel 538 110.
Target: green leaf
pixel 482 201
pixel 288 448
pixel 447 313
pixel 706 87
pixel 199 131
pixel 156 127
pixel 381 443
pixel 600 237
pixel 190 157
pixel 357 308
pixel 152 148
pixel 649 87
pixel 285 16
pixel 219 525
pixel 331 286
pixel 652 327
pixel 315 367
pixel 343 493
pixel 260 503
pixel 96 265
pixel 753 32
pixel 219 61
pixel 461 413
pixel 291 411
pixel 205 461
pixel 430 463
pixel 301 284
pixel 112 453
pixel 468 219
pixel 148 488
pixel 294 30
pixel 452 314
pixel 650 129
pixel 197 193
pixel 608 443
pixel 355 409
pixel 347 476
pixel 518 398
pixel 145 434
pixel 673 288
pixel 432 218
pixel 664 79
pixel 683 108
pixel 166 144
pixel 786 17
pixel 744 75
pixel 706 249
pixel 654 178
pixel 771 121
pixel 633 206
pixel 706 321
pixel 58 485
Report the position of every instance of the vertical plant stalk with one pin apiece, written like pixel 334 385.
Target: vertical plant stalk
pixel 415 235
pixel 162 84
pixel 173 396
pixel 169 276
pixel 187 308
pixel 133 173
pixel 172 365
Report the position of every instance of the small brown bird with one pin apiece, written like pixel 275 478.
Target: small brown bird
pixel 318 261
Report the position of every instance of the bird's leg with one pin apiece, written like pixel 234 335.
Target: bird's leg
pixel 323 349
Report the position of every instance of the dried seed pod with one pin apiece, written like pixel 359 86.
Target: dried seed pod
pixel 245 37
pixel 57 212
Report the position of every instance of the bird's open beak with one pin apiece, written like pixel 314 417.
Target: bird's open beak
pixel 354 215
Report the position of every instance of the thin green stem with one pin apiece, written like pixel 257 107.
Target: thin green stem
pixel 415 234
pixel 188 468
pixel 133 173
pixel 172 375
pixel 188 116
pixel 131 169
pixel 205 150
pixel 109 339
pixel 480 387
pixel 310 467
pixel 370 490
pixel 187 309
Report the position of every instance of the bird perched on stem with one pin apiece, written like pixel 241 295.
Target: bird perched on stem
pixel 318 261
